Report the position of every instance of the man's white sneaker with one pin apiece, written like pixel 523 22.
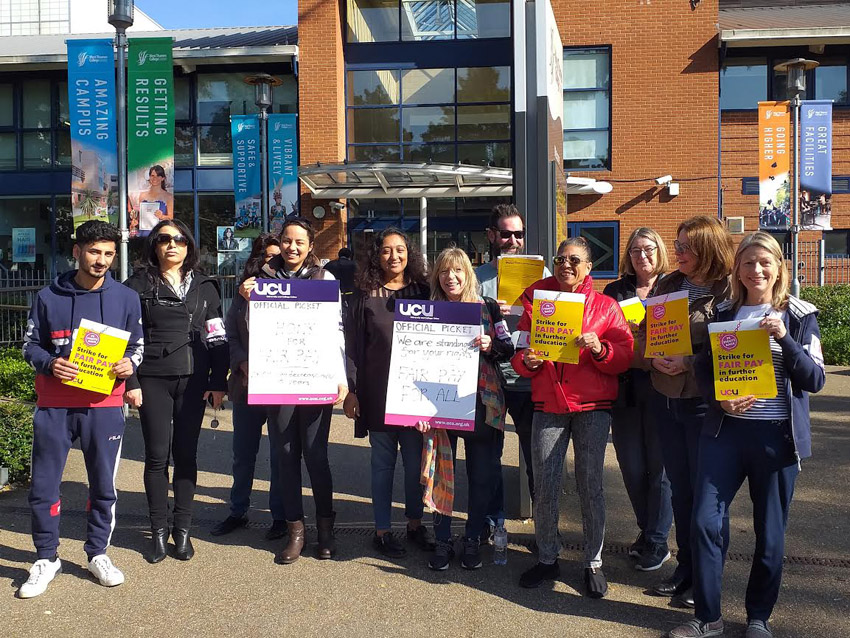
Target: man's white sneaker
pixel 41 573
pixel 107 573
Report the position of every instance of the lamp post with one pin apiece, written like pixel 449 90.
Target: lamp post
pixel 796 70
pixel 121 17
pixel 263 83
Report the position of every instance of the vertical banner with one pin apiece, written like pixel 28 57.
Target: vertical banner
pixel 245 133
pixel 91 100
pixel 774 166
pixel 283 169
pixel 150 133
pixel 816 165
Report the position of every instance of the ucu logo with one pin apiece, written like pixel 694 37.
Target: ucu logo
pixel 417 310
pixel 272 289
pixel 729 392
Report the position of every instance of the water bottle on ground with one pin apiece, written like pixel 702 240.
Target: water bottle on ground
pixel 500 545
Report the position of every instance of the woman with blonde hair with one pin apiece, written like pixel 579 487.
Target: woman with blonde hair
pixel 633 429
pixel 453 279
pixel 704 256
pixel 762 440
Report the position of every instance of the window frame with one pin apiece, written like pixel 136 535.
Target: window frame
pixel 574 230
pixel 608 49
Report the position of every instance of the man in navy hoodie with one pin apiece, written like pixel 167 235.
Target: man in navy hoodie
pixel 66 412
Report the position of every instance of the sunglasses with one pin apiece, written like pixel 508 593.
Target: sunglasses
pixel 575 260
pixel 165 238
pixel 507 234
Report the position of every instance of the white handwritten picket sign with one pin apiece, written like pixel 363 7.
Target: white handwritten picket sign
pixel 434 366
pixel 295 351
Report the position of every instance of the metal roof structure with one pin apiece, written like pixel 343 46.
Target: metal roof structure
pixel 784 25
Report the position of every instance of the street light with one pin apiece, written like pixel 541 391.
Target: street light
pixel 796 70
pixel 121 17
pixel 263 84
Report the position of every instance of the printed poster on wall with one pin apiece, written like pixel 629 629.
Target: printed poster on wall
pixel 556 321
pixel 299 356
pixel 23 245
pixel 743 364
pixel 668 326
pixel 91 106
pixel 433 364
pixel 774 166
pixel 247 188
pixel 150 133
pixel 816 165
pixel 282 169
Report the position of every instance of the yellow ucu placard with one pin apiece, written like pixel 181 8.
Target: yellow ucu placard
pixel 743 364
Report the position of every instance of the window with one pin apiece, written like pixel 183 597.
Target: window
pixel 430 115
pixel 743 83
pixel 25 212
pixel 427 20
pixel 587 109
pixel 604 240
pixel 837 243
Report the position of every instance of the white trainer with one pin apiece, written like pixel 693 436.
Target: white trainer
pixel 42 573
pixel 107 573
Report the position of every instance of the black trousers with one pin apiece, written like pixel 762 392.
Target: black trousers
pixel 171 414
pixel 302 432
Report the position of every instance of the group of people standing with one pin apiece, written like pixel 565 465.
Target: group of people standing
pixel 683 455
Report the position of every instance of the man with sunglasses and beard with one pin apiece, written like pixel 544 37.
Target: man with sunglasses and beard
pixel 66 412
pixel 506 236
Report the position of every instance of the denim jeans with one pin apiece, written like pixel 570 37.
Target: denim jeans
pixel 385 447
pixel 521 408
pixel 248 421
pixel 635 435
pixel 763 453
pixel 479 451
pixel 550 438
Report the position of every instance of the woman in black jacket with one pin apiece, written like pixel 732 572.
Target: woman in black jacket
pixel 186 365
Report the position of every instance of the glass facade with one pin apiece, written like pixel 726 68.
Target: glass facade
pixel 34 17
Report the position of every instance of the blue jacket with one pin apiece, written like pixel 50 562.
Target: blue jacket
pixel 53 319
pixel 803 357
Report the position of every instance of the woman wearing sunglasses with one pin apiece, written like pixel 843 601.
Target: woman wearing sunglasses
pixel 573 401
pixel 186 360
pixel 760 439
pixel 633 428
pixel 704 255
pixel 302 431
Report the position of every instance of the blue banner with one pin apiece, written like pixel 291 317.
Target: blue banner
pixel 816 165
pixel 283 169
pixel 245 131
pixel 91 100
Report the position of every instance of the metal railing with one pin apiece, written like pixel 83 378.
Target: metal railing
pixel 816 267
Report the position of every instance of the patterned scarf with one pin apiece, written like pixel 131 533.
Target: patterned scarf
pixel 489 381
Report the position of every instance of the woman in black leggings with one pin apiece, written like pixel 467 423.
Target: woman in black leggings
pixel 186 361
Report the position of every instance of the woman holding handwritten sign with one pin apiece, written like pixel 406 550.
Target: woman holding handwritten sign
pixel 573 400
pixel 761 440
pixel 453 279
pixel 704 255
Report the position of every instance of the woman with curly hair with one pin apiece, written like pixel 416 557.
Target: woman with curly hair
pixel 393 269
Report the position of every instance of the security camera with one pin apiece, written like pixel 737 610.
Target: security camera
pixel 336 205
pixel 665 179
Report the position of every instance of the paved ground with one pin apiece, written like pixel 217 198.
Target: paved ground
pixel 233 587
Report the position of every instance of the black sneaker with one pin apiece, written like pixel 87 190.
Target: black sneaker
pixel 229 524
pixel 471 558
pixel 595 582
pixel 389 545
pixel 684 599
pixel 278 530
pixel 653 557
pixel 637 548
pixel 539 574
pixel 423 537
pixel 443 555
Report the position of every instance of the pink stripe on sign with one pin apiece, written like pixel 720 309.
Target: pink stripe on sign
pixel 435 422
pixel 290 399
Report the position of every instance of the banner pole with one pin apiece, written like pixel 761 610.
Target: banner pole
pixel 264 181
pixel 121 89
pixel 795 203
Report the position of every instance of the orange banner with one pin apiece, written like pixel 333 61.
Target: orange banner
pixel 774 165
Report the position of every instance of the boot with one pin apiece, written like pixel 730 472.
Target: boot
pixel 327 543
pixel 159 538
pixel 292 551
pixel 183 549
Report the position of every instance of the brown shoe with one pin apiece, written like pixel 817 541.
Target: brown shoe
pixel 292 551
pixel 327 543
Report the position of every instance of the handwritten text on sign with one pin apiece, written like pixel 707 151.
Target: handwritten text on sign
pixel 295 352
pixel 433 366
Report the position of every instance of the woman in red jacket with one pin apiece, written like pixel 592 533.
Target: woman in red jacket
pixel 573 400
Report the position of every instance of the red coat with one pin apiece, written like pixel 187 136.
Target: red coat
pixel 592 383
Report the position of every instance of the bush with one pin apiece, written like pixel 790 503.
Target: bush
pixel 834 320
pixel 16 439
pixel 17 379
